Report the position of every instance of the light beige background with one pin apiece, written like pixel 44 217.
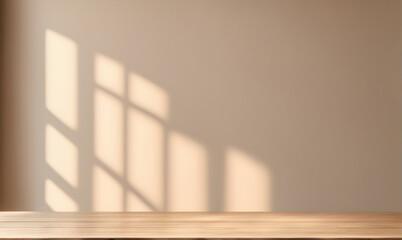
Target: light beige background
pixel 201 105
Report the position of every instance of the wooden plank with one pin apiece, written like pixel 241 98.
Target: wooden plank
pixel 30 225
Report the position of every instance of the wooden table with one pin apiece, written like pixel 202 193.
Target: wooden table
pixel 24 225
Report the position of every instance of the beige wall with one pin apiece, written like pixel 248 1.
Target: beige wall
pixel 202 105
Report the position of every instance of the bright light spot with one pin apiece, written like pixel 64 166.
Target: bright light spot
pixel 61 77
pixel 188 179
pixel 108 130
pixel 107 192
pixel 62 155
pixel 109 74
pixel 247 183
pixel 148 96
pixel 57 199
pixel 145 159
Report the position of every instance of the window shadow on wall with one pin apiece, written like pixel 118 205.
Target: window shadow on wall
pixel 216 106
pixel 110 144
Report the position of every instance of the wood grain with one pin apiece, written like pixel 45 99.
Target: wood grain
pixel 30 225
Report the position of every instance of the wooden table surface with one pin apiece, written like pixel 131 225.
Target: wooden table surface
pixel 199 225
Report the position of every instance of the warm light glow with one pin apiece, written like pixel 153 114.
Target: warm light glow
pixel 148 96
pixel 247 183
pixel 109 74
pixel 57 199
pixel 62 155
pixel 145 160
pixel 61 78
pixel 107 192
pixel 188 184
pixel 108 130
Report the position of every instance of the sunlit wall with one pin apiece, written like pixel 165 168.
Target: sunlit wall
pixel 202 105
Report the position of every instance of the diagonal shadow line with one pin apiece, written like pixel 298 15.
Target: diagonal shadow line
pixel 61 127
pixel 62 183
pixel 125 184
pixel 130 104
